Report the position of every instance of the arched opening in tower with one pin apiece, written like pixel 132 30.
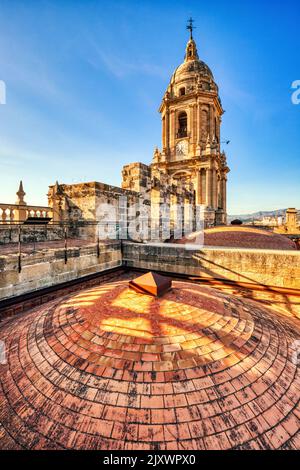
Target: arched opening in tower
pixel 182 125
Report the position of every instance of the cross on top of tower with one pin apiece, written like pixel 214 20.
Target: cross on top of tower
pixel 190 27
pixel 191 48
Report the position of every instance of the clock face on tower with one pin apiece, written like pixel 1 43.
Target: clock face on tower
pixel 182 148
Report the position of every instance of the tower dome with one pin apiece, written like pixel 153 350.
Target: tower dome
pixel 192 75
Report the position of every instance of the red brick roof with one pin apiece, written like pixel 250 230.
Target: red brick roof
pixel 243 237
pixel 109 368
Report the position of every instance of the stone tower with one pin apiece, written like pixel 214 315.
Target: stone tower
pixel 292 220
pixel 191 113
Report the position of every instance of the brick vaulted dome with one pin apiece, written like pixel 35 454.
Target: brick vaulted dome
pixel 110 368
pixel 247 237
pixel 242 237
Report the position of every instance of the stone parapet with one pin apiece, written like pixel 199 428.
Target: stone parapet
pixel 48 267
pixel 9 233
pixel 273 268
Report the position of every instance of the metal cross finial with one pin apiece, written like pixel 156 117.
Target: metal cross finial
pixel 190 27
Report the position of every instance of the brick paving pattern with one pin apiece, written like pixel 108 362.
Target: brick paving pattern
pixel 108 368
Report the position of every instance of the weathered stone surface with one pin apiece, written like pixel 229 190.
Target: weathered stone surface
pixel 48 267
pixel 30 234
pixel 266 267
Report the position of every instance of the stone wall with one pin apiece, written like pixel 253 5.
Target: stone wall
pixel 47 267
pixel 81 201
pixel 261 267
pixel 144 192
pixel 29 234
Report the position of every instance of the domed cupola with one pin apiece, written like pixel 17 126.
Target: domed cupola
pixel 192 75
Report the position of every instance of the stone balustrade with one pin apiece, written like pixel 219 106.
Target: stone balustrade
pixel 14 213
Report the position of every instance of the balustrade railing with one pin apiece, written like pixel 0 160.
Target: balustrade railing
pixel 15 213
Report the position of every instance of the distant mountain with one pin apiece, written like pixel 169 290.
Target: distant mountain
pixel 256 215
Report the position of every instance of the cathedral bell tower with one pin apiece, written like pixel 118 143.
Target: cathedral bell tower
pixel 191 113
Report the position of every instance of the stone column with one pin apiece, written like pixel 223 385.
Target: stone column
pixel 155 213
pixel 224 195
pixel 203 186
pixel 190 126
pixel 218 129
pixel 163 137
pixel 211 122
pixel 199 124
pixel 188 215
pixel 209 187
pixel 198 128
pixel 172 128
pixel 167 130
pixel 198 187
pixel 214 188
pixel 221 192
pixel 195 110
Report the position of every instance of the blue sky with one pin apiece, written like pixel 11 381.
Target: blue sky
pixel 85 79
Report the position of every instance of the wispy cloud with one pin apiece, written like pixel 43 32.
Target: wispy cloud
pixel 119 67
pixel 12 154
pixel 233 91
pixel 32 75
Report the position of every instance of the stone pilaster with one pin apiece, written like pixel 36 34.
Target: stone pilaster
pixel 198 187
pixel 211 122
pixel 163 136
pixel 172 128
pixel 224 193
pixel 198 127
pixel 209 187
pixel 167 131
pixel 214 189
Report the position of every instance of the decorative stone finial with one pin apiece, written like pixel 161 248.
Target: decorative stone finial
pixel 156 155
pixel 21 193
pixel 57 189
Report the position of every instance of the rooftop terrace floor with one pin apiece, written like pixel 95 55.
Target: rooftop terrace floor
pixel 108 368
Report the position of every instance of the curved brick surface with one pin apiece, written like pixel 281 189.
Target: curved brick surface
pixel 243 237
pixel 109 368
